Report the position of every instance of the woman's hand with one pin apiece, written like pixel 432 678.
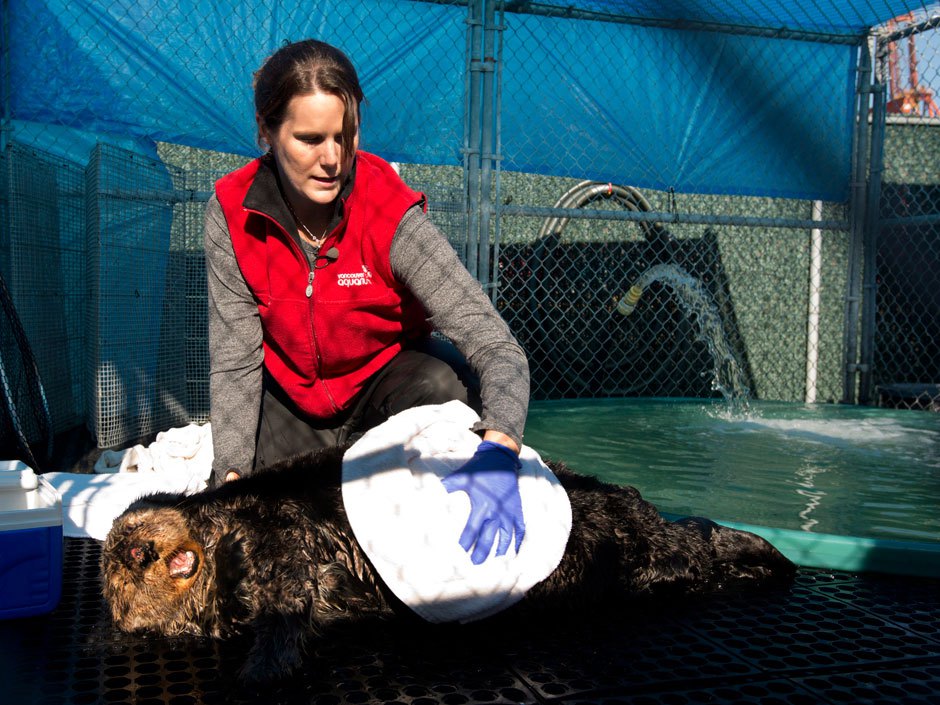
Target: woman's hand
pixel 491 481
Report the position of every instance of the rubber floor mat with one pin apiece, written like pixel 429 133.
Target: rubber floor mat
pixel 829 638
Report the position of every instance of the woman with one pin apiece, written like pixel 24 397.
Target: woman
pixel 325 279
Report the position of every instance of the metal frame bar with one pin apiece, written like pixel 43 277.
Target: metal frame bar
pixel 888 37
pixel 472 136
pixel 487 132
pixel 481 153
pixel 498 147
pixel 928 219
pixel 543 9
pixel 672 217
pixel 872 229
pixel 857 211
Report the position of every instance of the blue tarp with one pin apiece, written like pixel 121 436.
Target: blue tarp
pixel 696 111
pixel 706 112
pixel 181 72
pixel 846 17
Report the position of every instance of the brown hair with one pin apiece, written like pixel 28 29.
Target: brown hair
pixel 303 68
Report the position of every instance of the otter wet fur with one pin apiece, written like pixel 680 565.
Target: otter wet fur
pixel 273 555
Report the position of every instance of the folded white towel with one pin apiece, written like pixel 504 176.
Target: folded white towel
pixel 178 461
pixel 184 452
pixel 132 459
pixel 409 525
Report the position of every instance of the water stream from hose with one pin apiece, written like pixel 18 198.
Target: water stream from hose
pixel 699 307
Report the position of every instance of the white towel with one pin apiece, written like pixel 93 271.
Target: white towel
pixel 185 453
pixel 409 525
pixel 178 461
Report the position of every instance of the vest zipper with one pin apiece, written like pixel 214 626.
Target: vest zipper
pixel 316 344
pixel 309 293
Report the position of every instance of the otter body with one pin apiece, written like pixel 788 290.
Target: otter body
pixel 274 553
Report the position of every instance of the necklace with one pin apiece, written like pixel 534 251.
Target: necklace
pixel 306 234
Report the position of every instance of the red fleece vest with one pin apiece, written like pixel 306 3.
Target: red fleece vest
pixel 322 348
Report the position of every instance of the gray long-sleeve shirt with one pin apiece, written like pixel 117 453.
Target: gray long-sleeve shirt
pixel 424 261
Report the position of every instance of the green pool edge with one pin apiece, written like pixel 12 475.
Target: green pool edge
pixel 847 553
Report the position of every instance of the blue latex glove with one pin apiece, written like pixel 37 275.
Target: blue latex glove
pixel 491 481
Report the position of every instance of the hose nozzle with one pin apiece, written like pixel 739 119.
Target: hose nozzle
pixel 626 305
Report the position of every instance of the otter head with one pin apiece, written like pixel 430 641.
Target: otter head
pixel 151 567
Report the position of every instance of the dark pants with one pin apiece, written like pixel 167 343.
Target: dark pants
pixel 432 372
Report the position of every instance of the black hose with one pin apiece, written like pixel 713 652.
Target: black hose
pixel 549 337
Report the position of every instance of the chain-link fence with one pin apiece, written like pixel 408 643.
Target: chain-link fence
pixel 721 309
pixel 904 358
pixel 741 295
pixel 767 183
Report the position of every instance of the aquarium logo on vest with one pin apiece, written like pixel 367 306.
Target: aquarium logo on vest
pixel 363 278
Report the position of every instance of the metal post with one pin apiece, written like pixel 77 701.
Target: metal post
pixel 472 136
pixel 497 223
pixel 487 154
pixel 857 223
pixel 872 232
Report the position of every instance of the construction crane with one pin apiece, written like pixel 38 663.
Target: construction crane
pixel 912 99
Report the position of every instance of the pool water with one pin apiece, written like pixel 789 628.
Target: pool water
pixel 830 469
